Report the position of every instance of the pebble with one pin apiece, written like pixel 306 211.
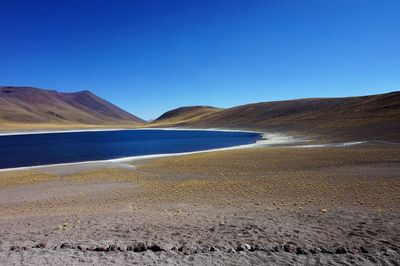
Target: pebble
pixel 352 250
pixel 122 248
pixel 197 251
pixel 276 249
pixel 301 251
pixel 112 247
pixel 257 247
pixel 140 247
pixel 40 245
pixel 186 250
pixel 231 250
pixel 312 250
pixel 205 250
pixel 390 252
pixel 82 247
pixel 341 250
pixel 324 250
pixel 66 245
pixel 214 249
pixel 100 249
pixel 156 248
pixel 240 248
pixel 289 248
pixel 243 247
pixel 364 249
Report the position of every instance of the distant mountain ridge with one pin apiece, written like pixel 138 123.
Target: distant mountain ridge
pixel 182 114
pixel 33 105
pixel 365 117
pixel 372 117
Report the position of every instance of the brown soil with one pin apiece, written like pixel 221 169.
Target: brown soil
pixel 282 202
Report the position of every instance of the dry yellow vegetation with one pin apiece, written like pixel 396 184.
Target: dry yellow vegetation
pixel 267 178
pixel 20 178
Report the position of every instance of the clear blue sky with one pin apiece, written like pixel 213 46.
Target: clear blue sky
pixel 150 56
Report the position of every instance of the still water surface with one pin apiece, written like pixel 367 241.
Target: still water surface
pixel 54 148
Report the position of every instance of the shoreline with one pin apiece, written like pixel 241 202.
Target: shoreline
pixel 249 206
pixel 20 133
pixel 17 133
pixel 107 162
pixel 266 140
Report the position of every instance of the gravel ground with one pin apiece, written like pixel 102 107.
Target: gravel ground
pixel 281 206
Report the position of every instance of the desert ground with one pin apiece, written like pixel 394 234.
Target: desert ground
pixel 263 205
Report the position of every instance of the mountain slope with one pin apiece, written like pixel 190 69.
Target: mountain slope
pixel 19 105
pixel 366 117
pixel 183 114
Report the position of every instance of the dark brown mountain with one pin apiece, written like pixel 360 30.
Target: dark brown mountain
pixel 367 117
pixel 26 105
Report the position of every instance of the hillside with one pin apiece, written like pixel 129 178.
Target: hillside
pixel 183 114
pixel 366 117
pixel 21 106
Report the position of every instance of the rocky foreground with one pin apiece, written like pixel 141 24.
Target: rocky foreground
pixel 219 236
pixel 244 207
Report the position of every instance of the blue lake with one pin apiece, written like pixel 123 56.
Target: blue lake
pixel 54 148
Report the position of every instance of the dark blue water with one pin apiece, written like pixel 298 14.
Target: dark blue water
pixel 41 149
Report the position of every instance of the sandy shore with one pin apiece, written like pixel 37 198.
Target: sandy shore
pixel 265 205
pixel 267 139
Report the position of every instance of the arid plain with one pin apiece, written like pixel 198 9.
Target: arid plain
pixel 264 205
